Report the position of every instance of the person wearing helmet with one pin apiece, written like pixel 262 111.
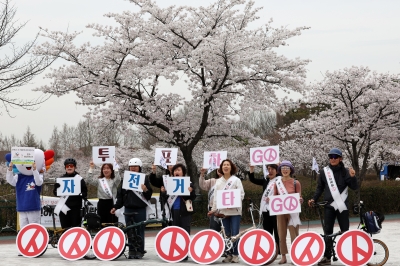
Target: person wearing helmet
pixel 135 202
pixel 107 185
pixel 69 207
pixel 333 182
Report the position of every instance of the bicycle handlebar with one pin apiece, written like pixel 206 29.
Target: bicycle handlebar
pixel 318 204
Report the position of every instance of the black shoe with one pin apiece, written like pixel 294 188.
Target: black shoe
pixel 185 259
pixel 131 257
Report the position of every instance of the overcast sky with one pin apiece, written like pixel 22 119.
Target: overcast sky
pixel 343 34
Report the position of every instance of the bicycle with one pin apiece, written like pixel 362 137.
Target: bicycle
pixel 10 225
pixel 54 234
pixel 230 240
pixel 131 230
pixel 381 253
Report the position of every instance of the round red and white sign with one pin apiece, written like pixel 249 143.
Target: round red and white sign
pixel 108 243
pixel 355 247
pixel 172 244
pixel 307 249
pixel 207 246
pixel 74 243
pixel 256 247
pixel 32 240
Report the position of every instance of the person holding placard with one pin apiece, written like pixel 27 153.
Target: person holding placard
pixel 334 181
pixel 135 202
pixel 180 215
pixel 209 185
pixel 107 185
pixel 269 221
pixel 229 183
pixel 69 207
pixel 287 185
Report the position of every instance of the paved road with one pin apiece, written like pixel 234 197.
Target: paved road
pixel 8 251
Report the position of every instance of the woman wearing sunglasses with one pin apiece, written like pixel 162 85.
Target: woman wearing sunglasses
pixel 69 207
pixel 287 185
pixel 334 181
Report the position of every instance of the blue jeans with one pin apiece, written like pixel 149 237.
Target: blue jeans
pixel 232 227
pixel 139 217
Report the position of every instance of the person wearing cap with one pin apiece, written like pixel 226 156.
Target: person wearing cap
pixel 107 185
pixel 333 182
pixel 134 202
pixel 269 221
pixel 285 184
pixel 69 208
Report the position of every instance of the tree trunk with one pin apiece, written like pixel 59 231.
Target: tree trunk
pixel 191 168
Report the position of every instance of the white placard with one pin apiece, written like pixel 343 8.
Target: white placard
pixel 69 186
pixel 212 159
pixel 22 155
pixel 268 155
pixel 230 198
pixel 178 185
pixel 133 181
pixel 169 154
pixel 103 154
pixel 284 204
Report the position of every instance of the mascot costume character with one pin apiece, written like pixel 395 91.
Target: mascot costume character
pixel 28 180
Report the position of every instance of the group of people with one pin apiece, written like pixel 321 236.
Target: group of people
pixel 333 182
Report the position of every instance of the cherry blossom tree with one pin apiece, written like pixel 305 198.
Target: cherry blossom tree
pixel 17 66
pixel 229 68
pixel 363 112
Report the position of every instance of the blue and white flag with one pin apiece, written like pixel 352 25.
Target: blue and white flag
pixel 315 165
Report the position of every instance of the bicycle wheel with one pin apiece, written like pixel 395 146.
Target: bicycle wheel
pixel 381 254
pixel 90 255
pixel 273 257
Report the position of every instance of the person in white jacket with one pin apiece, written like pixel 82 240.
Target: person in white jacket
pixel 209 185
pixel 233 216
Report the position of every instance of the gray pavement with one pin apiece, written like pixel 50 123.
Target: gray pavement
pixel 390 235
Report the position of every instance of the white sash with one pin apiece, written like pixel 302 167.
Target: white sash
pixel 141 196
pixel 171 199
pixel 338 199
pixel 61 202
pixel 211 194
pixel 106 188
pixel 229 183
pixel 294 217
pixel 269 191
pixel 61 206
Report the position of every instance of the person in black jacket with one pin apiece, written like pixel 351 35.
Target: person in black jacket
pixel 180 216
pixel 72 217
pixel 134 202
pixel 341 179
pixel 269 222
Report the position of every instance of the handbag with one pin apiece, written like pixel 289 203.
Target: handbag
pixel 189 206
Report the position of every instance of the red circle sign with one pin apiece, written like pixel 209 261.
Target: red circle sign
pixel 108 243
pixel 74 243
pixel 256 247
pixel 172 244
pixel 32 240
pixel 307 249
pixel 207 246
pixel 355 247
